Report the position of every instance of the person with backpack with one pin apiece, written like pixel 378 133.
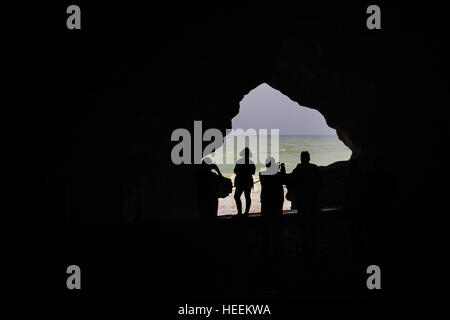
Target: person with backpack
pixel 212 186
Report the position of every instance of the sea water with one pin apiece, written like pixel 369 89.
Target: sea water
pixel 324 150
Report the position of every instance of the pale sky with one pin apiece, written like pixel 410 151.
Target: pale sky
pixel 267 108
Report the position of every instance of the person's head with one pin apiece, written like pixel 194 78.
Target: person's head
pixel 304 157
pixel 207 161
pixel 271 165
pixel 246 153
pixel 270 161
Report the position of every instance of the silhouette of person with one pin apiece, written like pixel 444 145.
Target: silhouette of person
pixel 208 198
pixel 307 183
pixel 272 198
pixel 244 170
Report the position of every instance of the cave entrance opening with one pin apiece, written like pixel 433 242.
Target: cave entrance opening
pixel 300 129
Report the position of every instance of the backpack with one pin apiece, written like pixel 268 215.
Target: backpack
pixel 224 187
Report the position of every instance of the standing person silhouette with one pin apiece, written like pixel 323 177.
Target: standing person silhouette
pixel 208 199
pixel 307 183
pixel 244 170
pixel 272 198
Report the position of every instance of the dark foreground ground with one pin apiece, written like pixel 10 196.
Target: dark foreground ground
pixel 189 261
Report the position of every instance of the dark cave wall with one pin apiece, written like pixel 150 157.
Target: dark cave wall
pixel 96 135
pixel 318 72
pixel 131 97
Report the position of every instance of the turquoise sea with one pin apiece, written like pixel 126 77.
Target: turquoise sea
pixel 324 150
